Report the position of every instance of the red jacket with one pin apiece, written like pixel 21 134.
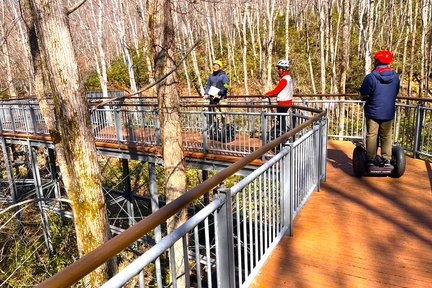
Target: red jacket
pixel 283 90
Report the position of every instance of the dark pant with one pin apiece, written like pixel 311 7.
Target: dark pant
pixel 383 130
pixel 281 120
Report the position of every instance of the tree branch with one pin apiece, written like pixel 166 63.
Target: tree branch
pixel 75 7
pixel 34 200
pixel 176 65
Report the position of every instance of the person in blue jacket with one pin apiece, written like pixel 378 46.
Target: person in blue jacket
pixel 217 84
pixel 379 90
pixel 216 91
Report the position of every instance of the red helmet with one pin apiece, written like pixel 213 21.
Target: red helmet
pixel 384 56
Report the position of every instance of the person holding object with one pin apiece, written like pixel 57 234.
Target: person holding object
pixel 216 91
pixel 217 84
pixel 283 92
pixel 379 90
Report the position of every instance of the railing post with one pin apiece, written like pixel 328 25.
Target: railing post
pixel 205 128
pixel 289 201
pixel 33 119
pixel 157 127
pixel 417 128
pixel 263 130
pixel 117 121
pixel 317 153
pixel 224 241
pixel 286 190
pixel 12 119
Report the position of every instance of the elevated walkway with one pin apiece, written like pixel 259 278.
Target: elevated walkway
pixel 358 232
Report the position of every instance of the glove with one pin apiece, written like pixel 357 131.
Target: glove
pixel 206 96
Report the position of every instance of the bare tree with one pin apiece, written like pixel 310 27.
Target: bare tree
pixel 5 52
pixel 163 42
pixel 73 138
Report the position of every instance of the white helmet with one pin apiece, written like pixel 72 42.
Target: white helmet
pixel 284 63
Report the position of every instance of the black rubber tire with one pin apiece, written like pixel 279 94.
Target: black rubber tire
pixel 359 161
pixel 398 161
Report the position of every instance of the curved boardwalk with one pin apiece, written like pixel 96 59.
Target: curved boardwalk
pixel 358 232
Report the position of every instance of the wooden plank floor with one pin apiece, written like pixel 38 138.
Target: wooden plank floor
pixel 358 232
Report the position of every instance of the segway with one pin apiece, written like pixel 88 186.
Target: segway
pixel 219 130
pixel 360 167
pixel 222 133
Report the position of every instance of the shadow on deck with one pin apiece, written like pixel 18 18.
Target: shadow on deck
pixel 358 232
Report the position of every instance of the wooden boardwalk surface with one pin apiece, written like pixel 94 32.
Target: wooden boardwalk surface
pixel 358 232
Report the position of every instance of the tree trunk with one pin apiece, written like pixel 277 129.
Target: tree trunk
pixel 163 40
pixel 346 39
pixel 74 140
pixel 245 77
pixel 322 29
pixel 5 52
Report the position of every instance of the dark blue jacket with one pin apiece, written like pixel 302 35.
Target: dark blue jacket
pixel 380 89
pixel 218 79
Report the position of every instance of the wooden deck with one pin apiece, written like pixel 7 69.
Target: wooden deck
pixel 358 232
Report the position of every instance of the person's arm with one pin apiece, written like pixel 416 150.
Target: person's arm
pixel 366 88
pixel 225 81
pixel 281 85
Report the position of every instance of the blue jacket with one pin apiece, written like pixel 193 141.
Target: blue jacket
pixel 218 79
pixel 380 89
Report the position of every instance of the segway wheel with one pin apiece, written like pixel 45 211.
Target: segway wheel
pixel 398 161
pixel 359 161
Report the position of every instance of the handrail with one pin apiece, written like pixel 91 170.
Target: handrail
pixel 17 101
pixel 95 258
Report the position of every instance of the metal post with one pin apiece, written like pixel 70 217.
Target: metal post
pixel 12 119
pixel 205 133
pixel 290 187
pixel 128 192
pixel 39 194
pixel 117 124
pixel 224 241
pixel 206 195
pixel 54 175
pixel 317 153
pixel 157 127
pixel 417 134
pixel 34 121
pixel 155 206
pixel 12 187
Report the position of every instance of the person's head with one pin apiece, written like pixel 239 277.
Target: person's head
pixel 282 66
pixel 383 57
pixel 217 65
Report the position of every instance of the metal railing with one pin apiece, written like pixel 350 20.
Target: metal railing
pixel 232 236
pixel 253 121
pixel 247 221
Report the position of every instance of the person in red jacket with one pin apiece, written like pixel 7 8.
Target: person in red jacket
pixel 283 92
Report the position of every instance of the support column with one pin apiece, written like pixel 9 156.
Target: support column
pixel 155 206
pixel 206 195
pixel 12 187
pixel 39 194
pixel 54 174
pixel 128 192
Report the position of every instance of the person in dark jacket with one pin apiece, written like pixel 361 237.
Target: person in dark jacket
pixel 217 84
pixel 216 91
pixel 379 90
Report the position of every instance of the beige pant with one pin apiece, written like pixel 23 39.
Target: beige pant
pixel 383 130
